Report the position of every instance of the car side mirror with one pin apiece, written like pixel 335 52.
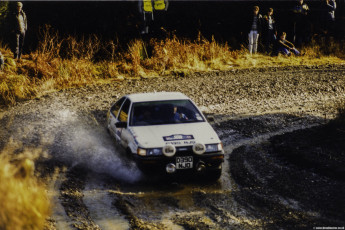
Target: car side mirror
pixel 121 124
pixel 209 116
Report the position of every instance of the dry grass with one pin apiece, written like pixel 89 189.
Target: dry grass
pixel 61 63
pixel 24 200
pixel 201 55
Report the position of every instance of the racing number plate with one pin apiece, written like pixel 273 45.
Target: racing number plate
pixel 184 162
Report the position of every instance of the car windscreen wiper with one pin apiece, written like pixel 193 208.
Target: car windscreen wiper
pixel 190 121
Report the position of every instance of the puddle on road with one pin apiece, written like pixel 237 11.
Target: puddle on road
pixel 101 209
pixel 78 140
pixel 62 221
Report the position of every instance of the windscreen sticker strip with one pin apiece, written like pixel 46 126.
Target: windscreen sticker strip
pixel 178 137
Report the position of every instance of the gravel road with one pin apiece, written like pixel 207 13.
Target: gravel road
pixel 257 113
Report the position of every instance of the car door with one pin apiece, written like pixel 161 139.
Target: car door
pixel 114 112
pixel 122 134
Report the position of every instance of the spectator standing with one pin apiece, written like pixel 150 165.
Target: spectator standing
pixel 146 10
pixel 160 10
pixel 269 29
pixel 2 61
pixel 329 16
pixel 285 47
pixel 254 26
pixel 20 27
pixel 160 5
pixel 301 23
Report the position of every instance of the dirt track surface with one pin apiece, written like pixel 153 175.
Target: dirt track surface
pixel 268 119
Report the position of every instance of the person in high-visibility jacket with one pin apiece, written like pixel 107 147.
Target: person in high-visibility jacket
pixel 146 9
pixel 160 11
pixel 160 5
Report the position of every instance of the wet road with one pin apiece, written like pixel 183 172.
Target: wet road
pixel 97 188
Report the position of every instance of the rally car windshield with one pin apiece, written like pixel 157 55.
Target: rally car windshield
pixel 164 112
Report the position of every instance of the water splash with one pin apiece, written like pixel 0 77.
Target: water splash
pixel 79 140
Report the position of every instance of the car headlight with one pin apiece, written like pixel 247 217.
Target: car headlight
pixel 150 152
pixel 214 148
pixel 154 152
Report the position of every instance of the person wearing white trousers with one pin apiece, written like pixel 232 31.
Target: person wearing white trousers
pixel 253 38
pixel 255 29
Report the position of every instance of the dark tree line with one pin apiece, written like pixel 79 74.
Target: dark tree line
pixel 120 19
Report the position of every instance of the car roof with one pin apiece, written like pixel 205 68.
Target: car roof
pixel 156 96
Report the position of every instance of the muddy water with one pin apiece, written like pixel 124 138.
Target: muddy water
pixel 115 200
pixel 102 189
pixel 99 202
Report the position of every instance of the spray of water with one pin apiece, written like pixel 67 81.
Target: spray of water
pixel 79 140
pixel 95 150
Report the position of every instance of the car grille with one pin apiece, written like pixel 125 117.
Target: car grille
pixel 184 151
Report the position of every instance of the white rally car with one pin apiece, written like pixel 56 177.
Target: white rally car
pixel 166 131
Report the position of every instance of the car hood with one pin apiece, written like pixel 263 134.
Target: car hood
pixel 185 134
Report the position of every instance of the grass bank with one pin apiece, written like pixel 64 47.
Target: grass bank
pixel 61 63
pixel 24 200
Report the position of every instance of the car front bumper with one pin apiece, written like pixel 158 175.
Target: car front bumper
pixel 207 161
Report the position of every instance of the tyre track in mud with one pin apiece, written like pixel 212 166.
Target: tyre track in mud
pixel 249 107
pixel 189 204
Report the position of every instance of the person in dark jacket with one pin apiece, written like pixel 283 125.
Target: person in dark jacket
pixel 269 29
pixel 254 26
pixel 329 16
pixel 285 47
pixel 301 23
